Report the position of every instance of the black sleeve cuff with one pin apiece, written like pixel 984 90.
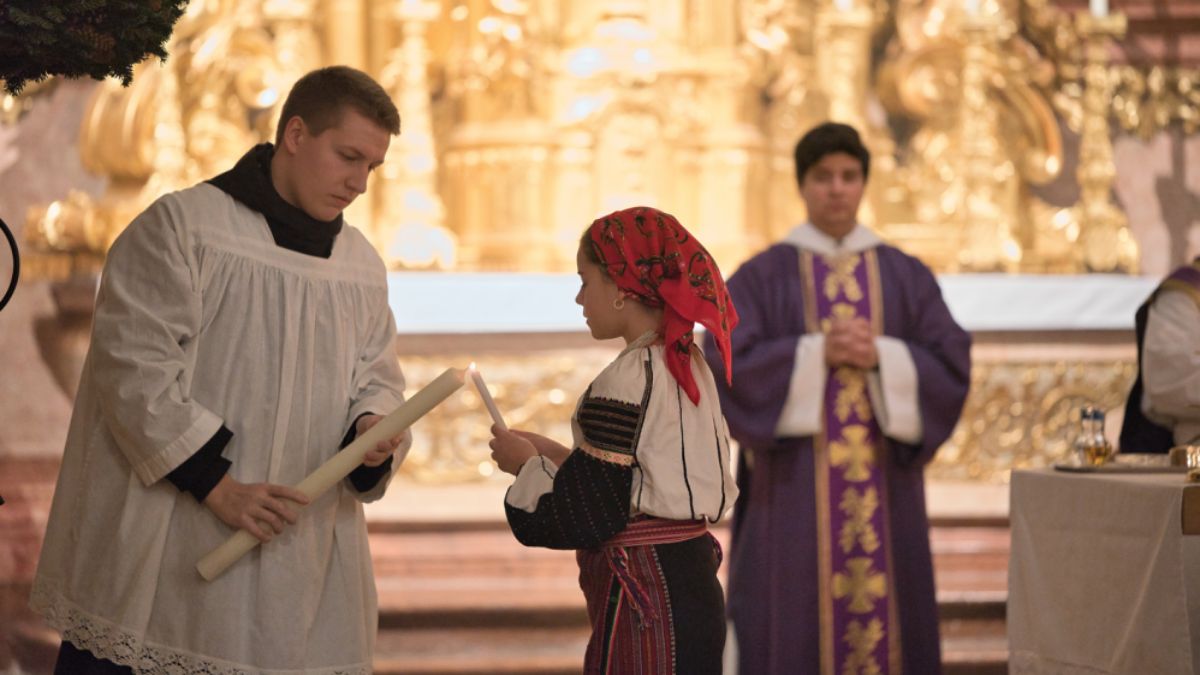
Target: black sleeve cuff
pixel 204 469
pixel 364 477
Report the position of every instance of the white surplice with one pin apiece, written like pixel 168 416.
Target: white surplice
pixel 1171 364
pixel 202 320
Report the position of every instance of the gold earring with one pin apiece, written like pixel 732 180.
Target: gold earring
pixel 619 303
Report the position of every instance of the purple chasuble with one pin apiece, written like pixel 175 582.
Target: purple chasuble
pixel 1186 279
pixel 857 609
pixel 780 539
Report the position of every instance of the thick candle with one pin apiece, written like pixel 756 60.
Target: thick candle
pixel 341 464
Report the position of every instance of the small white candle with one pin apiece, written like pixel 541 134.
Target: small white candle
pixel 1099 7
pixel 843 5
pixel 341 464
pixel 486 395
pixel 972 7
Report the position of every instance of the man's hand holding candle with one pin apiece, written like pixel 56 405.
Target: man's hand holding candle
pixel 378 433
pixel 261 509
pixel 384 448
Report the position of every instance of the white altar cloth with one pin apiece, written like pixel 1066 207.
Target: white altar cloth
pixel 1102 578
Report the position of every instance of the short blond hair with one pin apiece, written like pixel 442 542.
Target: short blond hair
pixel 320 97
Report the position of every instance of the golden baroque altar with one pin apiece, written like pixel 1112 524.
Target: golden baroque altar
pixel 525 119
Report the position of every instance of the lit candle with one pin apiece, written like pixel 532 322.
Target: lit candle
pixel 1099 7
pixel 843 5
pixel 486 395
pixel 972 7
pixel 341 464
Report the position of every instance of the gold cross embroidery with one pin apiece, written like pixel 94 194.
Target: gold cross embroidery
pixel 853 451
pixel 840 310
pixel 841 278
pixel 861 584
pixel 862 641
pixel 859 507
pixel 852 397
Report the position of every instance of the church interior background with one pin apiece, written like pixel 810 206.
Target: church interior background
pixel 1035 153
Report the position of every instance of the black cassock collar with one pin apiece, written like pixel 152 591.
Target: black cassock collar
pixel 249 182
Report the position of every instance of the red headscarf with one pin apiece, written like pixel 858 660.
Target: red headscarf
pixel 649 255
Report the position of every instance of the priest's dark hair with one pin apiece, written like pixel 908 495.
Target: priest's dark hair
pixel 827 139
pixel 320 97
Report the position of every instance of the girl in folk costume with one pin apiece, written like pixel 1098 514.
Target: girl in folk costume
pixel 650 465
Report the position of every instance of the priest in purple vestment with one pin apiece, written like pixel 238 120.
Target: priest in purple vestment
pixel 849 373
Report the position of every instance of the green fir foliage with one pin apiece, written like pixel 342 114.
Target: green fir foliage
pixel 76 38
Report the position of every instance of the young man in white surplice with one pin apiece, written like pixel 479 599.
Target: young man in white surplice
pixel 242 332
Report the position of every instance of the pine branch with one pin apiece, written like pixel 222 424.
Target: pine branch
pixel 76 38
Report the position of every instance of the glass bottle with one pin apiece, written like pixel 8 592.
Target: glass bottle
pixel 1100 450
pixel 1084 437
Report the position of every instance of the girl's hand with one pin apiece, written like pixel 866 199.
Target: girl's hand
pixel 546 447
pixel 510 450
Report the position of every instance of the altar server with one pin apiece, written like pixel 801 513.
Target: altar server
pixel 242 331
pixel 1164 405
pixel 851 372
pixel 650 465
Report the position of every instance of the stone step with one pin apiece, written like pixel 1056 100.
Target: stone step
pixel 968 648
pixel 477 602
pixel 467 599
pixel 467 639
pixel 424 569
pixel 510 648
pixel 974 646
pixel 533 644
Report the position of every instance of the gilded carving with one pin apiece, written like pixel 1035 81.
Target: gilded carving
pixel 524 118
pixel 1023 413
pixel 1020 412
pixel 537 392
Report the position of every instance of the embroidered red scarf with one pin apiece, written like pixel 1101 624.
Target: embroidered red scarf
pixel 651 256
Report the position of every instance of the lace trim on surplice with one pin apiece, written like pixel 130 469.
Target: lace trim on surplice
pixel 106 640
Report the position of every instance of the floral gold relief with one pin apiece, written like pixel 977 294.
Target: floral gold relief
pixel 536 392
pixel 1024 413
pixel 525 119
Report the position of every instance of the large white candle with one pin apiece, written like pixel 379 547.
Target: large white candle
pixel 486 395
pixel 1099 7
pixel 341 464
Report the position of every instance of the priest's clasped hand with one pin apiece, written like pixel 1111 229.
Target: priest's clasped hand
pixel 850 342
pixel 385 448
